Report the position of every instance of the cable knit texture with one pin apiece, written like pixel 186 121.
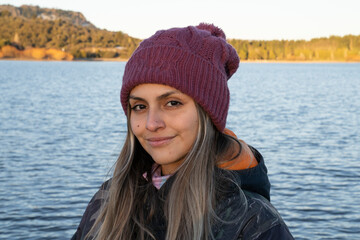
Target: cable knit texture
pixel 195 60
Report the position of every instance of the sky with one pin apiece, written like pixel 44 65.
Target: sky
pixel 240 19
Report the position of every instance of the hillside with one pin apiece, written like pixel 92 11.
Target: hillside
pixel 41 33
pixel 29 12
pixel 33 27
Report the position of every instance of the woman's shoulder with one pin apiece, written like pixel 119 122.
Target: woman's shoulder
pixel 253 179
pixel 92 211
pixel 248 167
pixel 263 221
pixel 248 215
pixel 100 196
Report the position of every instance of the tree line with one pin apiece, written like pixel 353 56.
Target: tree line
pixel 78 41
pixel 334 48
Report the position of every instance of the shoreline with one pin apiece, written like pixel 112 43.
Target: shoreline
pixel 295 61
pixel 125 60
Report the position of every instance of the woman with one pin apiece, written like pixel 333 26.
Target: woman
pixel 181 174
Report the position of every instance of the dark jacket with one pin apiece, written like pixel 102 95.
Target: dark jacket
pixel 254 218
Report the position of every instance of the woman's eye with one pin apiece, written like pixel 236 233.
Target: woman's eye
pixel 173 103
pixel 138 107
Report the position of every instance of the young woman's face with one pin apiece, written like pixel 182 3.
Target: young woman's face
pixel 165 121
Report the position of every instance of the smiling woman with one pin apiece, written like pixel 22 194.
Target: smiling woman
pixel 165 122
pixel 181 174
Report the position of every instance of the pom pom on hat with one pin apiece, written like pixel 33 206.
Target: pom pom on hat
pixel 215 31
pixel 195 60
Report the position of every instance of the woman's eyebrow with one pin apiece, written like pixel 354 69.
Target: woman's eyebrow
pixel 136 98
pixel 165 95
pixel 162 96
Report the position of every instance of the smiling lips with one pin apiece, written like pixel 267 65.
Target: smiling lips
pixel 159 141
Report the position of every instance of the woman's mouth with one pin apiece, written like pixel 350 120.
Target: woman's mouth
pixel 159 141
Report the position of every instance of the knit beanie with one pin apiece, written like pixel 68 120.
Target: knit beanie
pixel 195 60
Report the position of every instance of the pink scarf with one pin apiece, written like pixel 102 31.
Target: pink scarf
pixel 157 179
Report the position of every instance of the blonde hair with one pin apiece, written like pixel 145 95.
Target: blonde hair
pixel 189 205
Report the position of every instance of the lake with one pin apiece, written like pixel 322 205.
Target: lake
pixel 62 127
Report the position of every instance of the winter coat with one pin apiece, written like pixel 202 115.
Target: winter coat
pixel 254 218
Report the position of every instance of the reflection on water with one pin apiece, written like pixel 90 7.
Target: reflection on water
pixel 62 126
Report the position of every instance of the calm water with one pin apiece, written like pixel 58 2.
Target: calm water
pixel 62 126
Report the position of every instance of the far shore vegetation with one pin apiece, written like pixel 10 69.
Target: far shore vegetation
pixel 30 32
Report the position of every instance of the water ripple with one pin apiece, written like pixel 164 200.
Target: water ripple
pixel 62 127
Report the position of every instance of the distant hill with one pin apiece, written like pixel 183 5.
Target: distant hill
pixel 42 33
pixel 33 27
pixel 30 12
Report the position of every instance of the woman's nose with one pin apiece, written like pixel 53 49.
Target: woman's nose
pixel 154 120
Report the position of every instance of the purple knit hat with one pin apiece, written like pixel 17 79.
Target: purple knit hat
pixel 195 60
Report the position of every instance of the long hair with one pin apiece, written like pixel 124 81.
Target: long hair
pixel 189 205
